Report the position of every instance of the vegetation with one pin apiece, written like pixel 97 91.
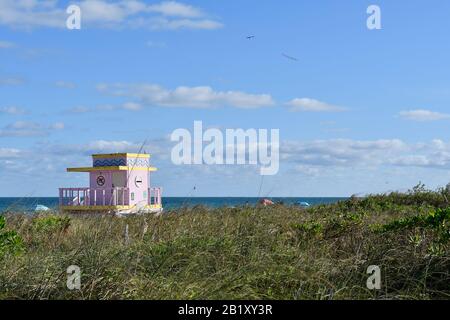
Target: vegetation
pixel 275 252
pixel 10 242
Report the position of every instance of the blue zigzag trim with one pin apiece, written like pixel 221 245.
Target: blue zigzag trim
pixel 109 162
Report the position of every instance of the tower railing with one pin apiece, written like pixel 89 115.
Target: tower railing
pixel 93 197
pixel 154 196
pixel 71 197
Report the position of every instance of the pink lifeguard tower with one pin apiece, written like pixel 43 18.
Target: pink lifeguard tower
pixel 119 184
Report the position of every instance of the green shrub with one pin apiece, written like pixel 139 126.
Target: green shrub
pixel 10 241
pixel 438 220
pixel 309 228
pixel 51 224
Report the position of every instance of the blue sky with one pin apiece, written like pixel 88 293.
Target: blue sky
pixel 359 111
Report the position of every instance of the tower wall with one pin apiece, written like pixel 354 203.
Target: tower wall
pixel 138 183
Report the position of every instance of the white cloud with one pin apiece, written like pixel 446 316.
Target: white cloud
pixel 132 106
pixel 340 152
pixel 8 153
pixel 309 170
pixel 129 106
pixel 312 158
pixel 98 11
pixel 28 129
pixel 12 110
pixel 31 13
pixel 22 129
pixel 38 161
pixel 435 154
pixel 173 8
pixel 190 97
pixel 423 115
pixel 312 105
pixel 106 146
pixel 318 167
pixel 28 14
pixel 118 11
pixel 163 23
pixel 309 156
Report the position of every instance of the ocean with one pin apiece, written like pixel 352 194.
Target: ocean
pixel 29 204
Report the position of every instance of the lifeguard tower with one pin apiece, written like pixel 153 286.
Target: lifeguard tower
pixel 119 184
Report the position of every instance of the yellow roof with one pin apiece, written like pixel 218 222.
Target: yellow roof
pixel 127 155
pixel 115 168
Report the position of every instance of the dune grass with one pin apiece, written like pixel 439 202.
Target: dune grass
pixel 276 252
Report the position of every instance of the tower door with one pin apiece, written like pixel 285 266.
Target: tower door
pixel 119 181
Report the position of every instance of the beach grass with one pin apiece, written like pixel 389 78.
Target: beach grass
pixel 274 252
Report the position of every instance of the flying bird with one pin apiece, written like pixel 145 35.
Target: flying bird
pixel 289 57
pixel 250 37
